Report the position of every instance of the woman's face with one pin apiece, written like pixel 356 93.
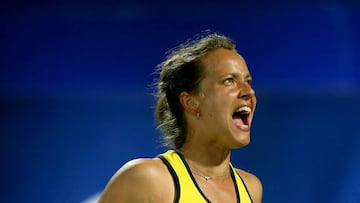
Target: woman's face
pixel 226 99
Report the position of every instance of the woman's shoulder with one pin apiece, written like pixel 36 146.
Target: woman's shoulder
pixel 253 184
pixel 143 167
pixel 137 181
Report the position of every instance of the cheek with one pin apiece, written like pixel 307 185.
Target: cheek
pixel 254 101
pixel 215 99
pixel 217 105
pixel 211 104
pixel 233 94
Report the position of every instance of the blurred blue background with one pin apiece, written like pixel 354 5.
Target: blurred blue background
pixel 76 99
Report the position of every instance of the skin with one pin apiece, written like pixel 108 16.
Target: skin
pixel 210 137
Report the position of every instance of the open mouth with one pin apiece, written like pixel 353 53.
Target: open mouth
pixel 241 117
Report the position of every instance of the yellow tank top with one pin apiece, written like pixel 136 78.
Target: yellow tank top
pixel 186 188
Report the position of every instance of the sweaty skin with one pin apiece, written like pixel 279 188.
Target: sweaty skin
pixel 225 88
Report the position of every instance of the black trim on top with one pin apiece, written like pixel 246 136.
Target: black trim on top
pixel 243 182
pixel 192 177
pixel 198 187
pixel 174 176
pixel 235 185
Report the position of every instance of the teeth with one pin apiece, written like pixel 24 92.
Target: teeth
pixel 244 109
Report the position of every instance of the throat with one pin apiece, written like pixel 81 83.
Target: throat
pixel 208 176
pixel 207 169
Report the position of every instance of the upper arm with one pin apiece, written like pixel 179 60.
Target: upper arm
pixel 253 184
pixel 134 182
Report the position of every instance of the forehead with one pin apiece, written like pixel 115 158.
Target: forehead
pixel 224 61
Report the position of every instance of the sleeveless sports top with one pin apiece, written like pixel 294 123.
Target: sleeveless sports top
pixel 186 188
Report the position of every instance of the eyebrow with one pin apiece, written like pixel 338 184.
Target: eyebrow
pixel 236 74
pixel 248 76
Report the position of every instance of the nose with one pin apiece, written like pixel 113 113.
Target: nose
pixel 246 91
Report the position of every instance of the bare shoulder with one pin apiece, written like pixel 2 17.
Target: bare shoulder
pixel 253 185
pixel 138 181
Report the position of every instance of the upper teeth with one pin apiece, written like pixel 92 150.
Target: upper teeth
pixel 244 109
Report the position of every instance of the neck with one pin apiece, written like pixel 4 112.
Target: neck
pixel 207 177
pixel 207 162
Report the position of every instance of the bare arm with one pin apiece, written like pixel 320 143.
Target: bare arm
pixel 138 181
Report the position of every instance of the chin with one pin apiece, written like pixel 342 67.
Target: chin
pixel 243 141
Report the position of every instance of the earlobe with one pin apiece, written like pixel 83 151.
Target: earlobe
pixel 189 103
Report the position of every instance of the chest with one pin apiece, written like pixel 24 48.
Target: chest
pixel 218 191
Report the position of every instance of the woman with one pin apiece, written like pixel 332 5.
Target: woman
pixel 205 108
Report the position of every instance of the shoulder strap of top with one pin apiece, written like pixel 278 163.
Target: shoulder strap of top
pixel 186 189
pixel 244 193
pixel 174 177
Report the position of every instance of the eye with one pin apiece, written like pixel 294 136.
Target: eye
pixel 229 81
pixel 249 81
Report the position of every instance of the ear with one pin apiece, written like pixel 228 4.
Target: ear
pixel 189 102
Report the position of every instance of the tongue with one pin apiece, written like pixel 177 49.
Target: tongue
pixel 238 122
